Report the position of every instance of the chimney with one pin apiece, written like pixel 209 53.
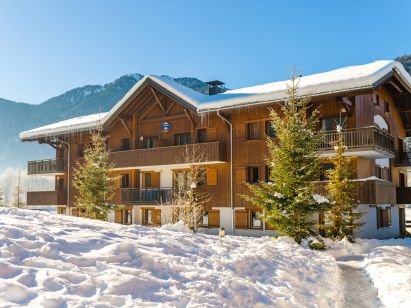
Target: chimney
pixel 215 87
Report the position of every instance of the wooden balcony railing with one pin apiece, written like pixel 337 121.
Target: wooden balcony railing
pixel 402 159
pixel 57 197
pixel 357 139
pixel 211 151
pixel 145 195
pixel 46 166
pixel 369 192
pixel 404 195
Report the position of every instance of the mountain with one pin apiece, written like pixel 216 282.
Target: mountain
pixel 17 117
pixel 406 61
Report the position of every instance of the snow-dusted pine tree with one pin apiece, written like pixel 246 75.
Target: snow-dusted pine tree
pixel 93 180
pixel 342 217
pixel 287 198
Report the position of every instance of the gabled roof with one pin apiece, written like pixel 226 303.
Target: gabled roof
pixel 346 79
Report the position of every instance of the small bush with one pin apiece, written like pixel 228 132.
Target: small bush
pixel 317 246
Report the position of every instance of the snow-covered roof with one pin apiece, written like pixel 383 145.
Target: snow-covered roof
pixel 344 79
pixel 67 126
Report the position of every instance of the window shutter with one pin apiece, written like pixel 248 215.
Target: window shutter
pixel 155 179
pixel 241 219
pixel 211 134
pixel 241 174
pixel 240 130
pixel 117 216
pixel 74 212
pixel 211 176
pixel 214 219
pixel 156 217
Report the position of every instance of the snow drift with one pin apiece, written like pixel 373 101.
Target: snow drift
pixel 56 261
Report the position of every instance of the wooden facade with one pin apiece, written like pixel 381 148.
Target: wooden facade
pixel 147 153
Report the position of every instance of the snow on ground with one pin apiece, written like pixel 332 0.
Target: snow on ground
pixel 57 261
pixel 386 262
pixel 390 269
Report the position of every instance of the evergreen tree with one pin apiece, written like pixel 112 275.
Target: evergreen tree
pixel 93 180
pixel 342 217
pixel 287 198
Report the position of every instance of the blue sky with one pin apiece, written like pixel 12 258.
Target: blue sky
pixel 49 47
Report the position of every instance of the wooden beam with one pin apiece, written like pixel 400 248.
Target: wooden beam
pixel 147 111
pixel 157 100
pixel 391 82
pixel 172 117
pixel 125 125
pixel 169 107
pixel 189 117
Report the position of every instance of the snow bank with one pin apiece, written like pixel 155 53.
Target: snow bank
pixel 390 270
pixel 57 261
pixel 177 227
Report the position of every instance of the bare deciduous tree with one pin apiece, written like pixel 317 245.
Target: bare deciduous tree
pixel 17 191
pixel 188 196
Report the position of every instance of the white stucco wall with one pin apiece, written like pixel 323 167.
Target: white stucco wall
pixel 111 216
pixel 226 214
pixel 166 178
pixel 369 229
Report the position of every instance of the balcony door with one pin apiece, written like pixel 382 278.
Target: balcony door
pixel 150 179
pixel 383 165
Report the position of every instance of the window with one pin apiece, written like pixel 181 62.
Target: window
pixel 202 135
pixel 81 150
pixel 253 174
pixel 376 99
pixel 147 179
pixel 202 177
pixel 255 220
pixel 148 219
pixel 386 107
pixel 378 172
pixel 205 219
pixel 182 139
pixel 61 210
pixel 125 180
pixel 127 214
pixel 269 129
pixel 330 123
pixel 267 173
pixel 383 217
pixel 252 131
pixel 184 178
pixel 149 142
pixel 324 169
pixel 125 144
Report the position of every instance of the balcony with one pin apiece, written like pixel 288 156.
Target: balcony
pixel 404 195
pixel 211 152
pixel 403 159
pixel 370 192
pixel 371 142
pixel 145 195
pixel 57 197
pixel 46 166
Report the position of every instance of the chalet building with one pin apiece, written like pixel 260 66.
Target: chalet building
pixel 151 127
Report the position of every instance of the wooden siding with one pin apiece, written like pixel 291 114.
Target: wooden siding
pixel 370 192
pixel 213 152
pixel 46 166
pixel 46 198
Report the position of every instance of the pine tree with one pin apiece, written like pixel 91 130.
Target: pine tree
pixel 342 217
pixel 93 180
pixel 287 198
